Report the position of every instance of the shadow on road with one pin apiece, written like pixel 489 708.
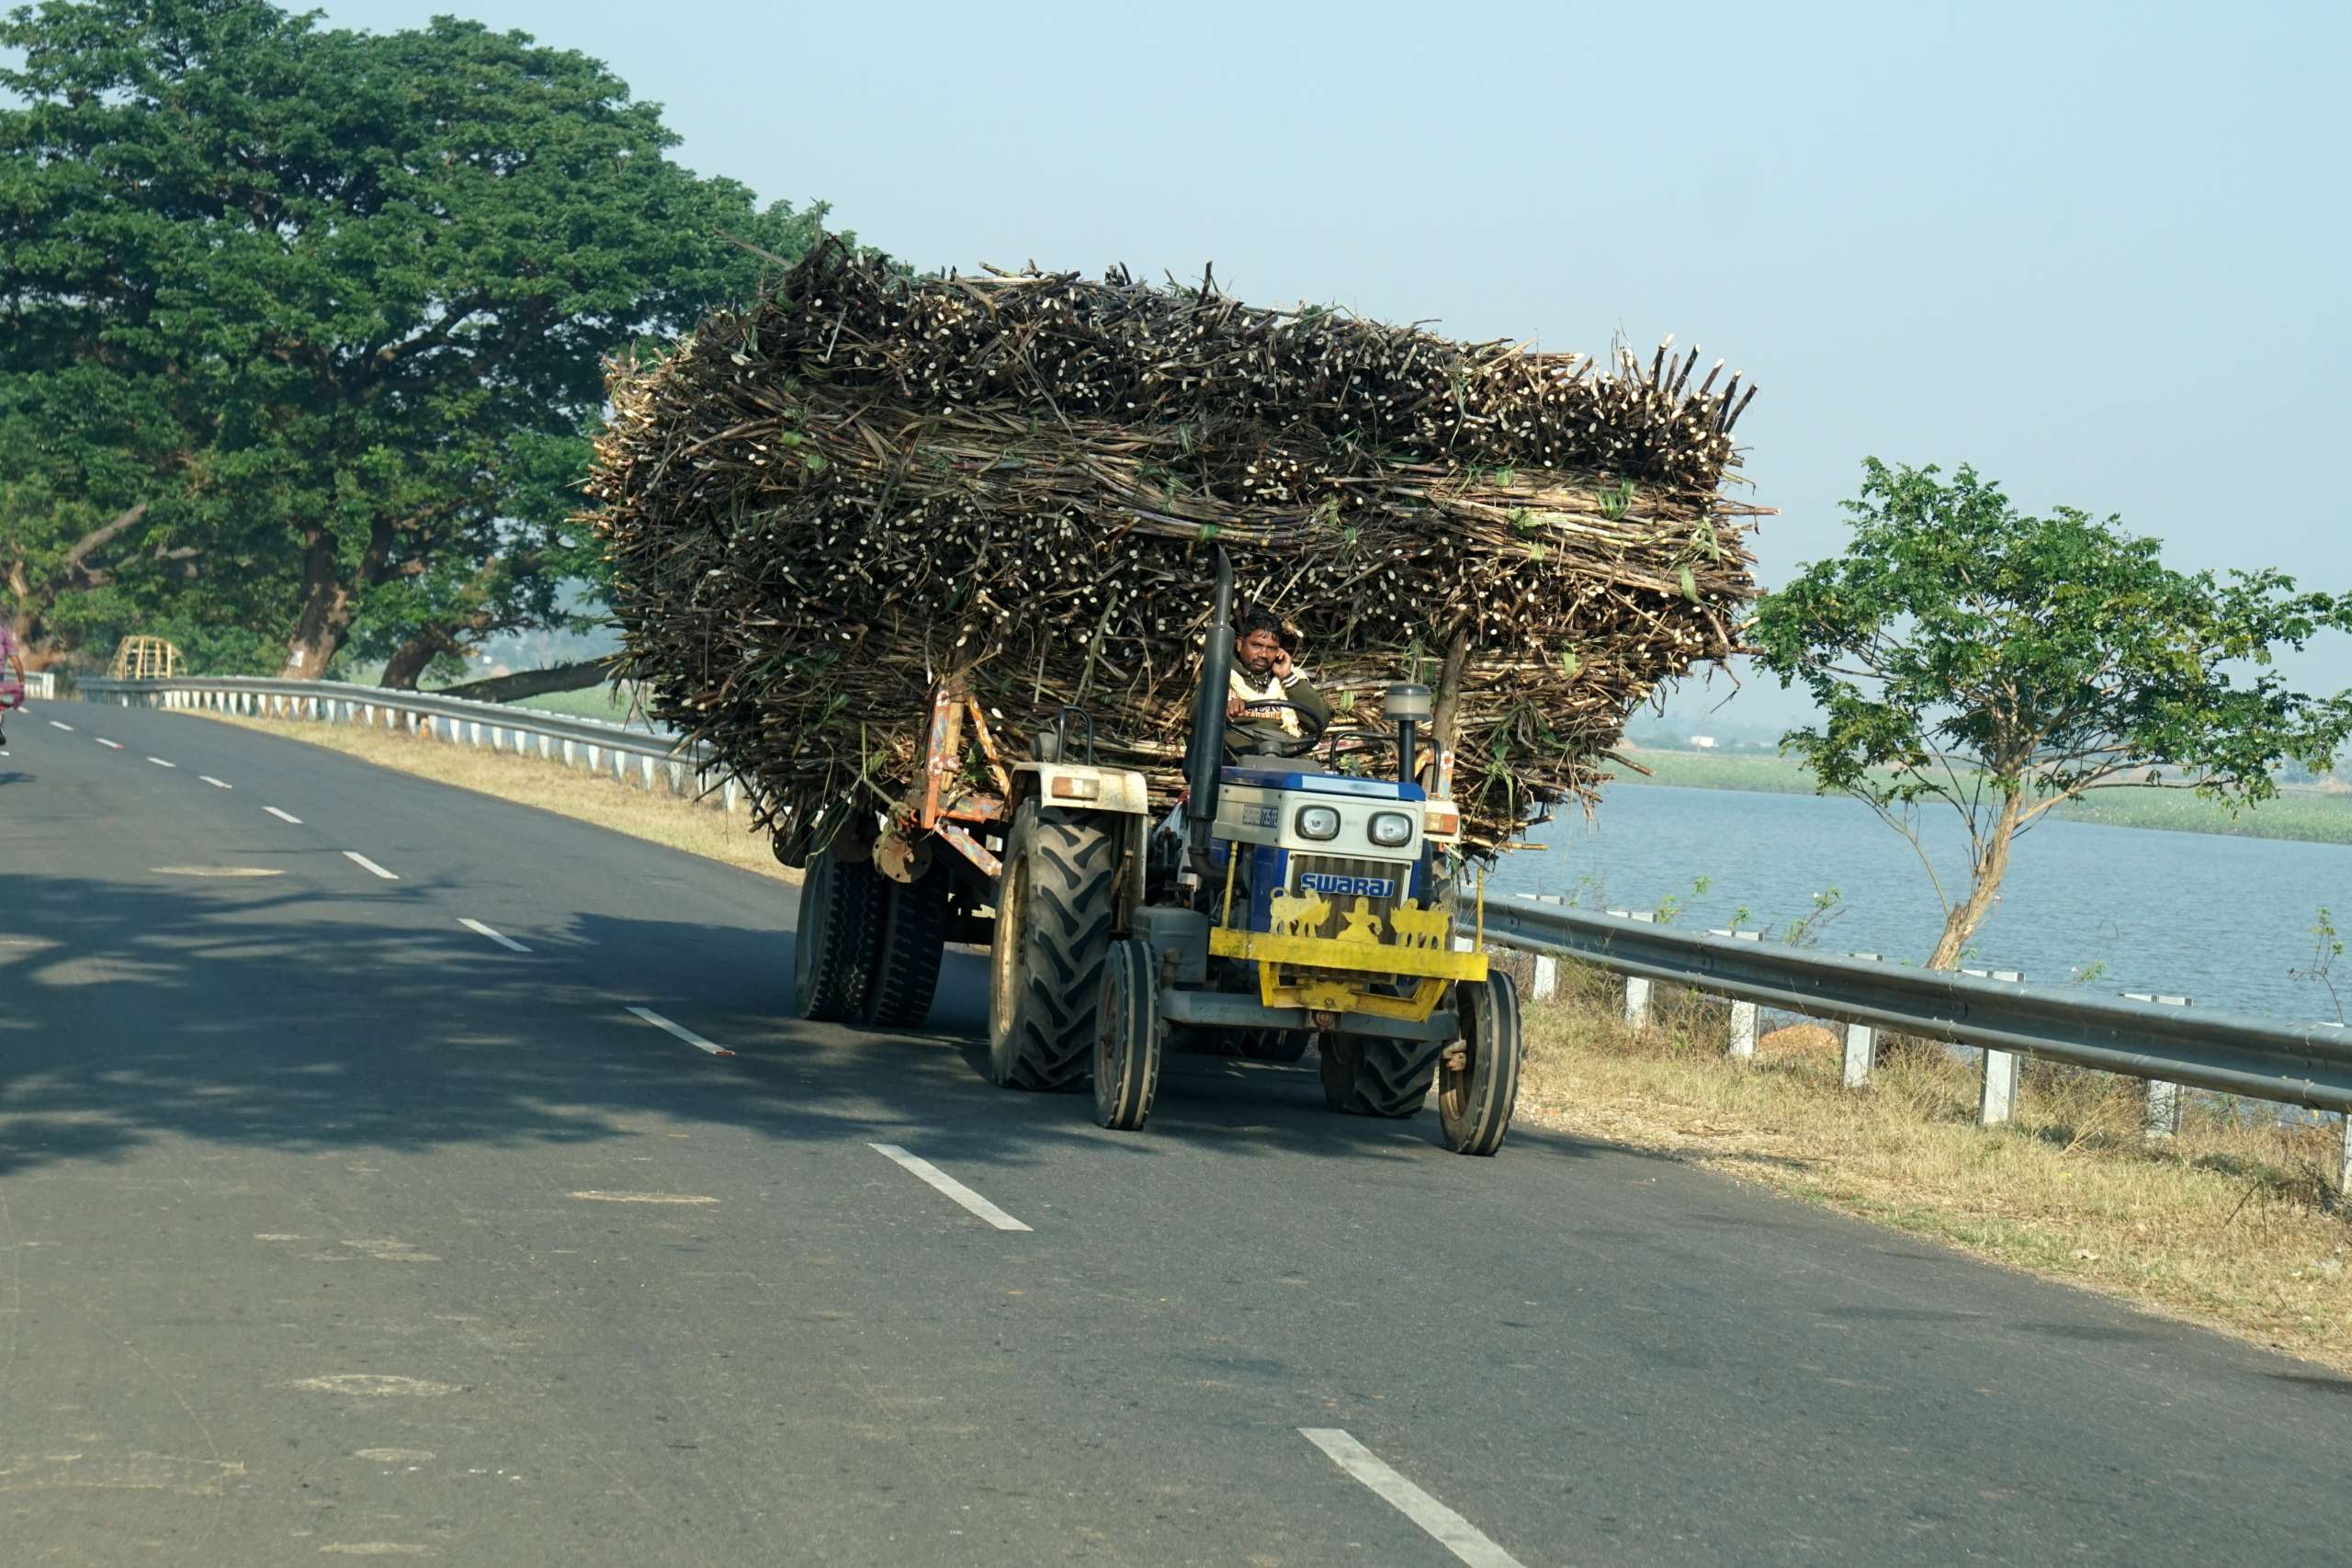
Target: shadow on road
pixel 252 1012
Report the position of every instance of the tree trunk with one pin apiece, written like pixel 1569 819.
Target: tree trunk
pixel 1984 884
pixel 329 602
pixel 413 658
pixel 535 682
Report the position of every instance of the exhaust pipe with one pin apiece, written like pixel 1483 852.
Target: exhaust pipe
pixel 1204 755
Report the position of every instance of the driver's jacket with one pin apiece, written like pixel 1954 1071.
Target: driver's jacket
pixel 1246 734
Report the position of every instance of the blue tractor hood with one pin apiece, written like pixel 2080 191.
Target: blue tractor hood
pixel 1312 781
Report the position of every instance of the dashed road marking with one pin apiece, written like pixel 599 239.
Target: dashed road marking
pixel 930 1175
pixel 688 1035
pixel 1445 1527
pixel 161 763
pixel 355 858
pixel 111 745
pixel 283 816
pixel 499 937
pixel 54 724
pixel 216 783
pixel 594 1197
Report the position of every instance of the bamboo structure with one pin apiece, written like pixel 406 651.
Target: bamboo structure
pixel 823 505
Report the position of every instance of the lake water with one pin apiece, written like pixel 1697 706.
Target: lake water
pixel 2220 920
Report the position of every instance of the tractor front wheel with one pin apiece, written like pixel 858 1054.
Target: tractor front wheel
pixel 1474 1097
pixel 1127 1038
pixel 1364 1076
pixel 1053 933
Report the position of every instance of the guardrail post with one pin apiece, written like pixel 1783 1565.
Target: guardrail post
pixel 1542 987
pixel 731 794
pixel 1998 1100
pixel 1862 1043
pixel 1743 1014
pixel 1638 990
pixel 2162 1118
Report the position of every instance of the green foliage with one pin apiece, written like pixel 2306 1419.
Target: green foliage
pixel 335 304
pixel 2052 655
pixel 2327 947
pixel 1965 652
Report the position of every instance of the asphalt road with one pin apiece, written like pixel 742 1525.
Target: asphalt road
pixel 331 1226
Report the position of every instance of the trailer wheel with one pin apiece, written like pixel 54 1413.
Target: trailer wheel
pixel 833 946
pixel 1127 1038
pixel 1053 932
pixel 1475 1101
pixel 1364 1076
pixel 1283 1045
pixel 913 937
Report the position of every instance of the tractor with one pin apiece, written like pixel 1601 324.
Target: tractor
pixel 1286 903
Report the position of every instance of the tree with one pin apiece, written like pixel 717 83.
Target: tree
pixel 1961 651
pixel 364 283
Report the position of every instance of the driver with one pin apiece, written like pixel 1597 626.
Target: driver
pixel 1264 674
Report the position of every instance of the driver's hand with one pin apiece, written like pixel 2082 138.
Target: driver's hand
pixel 1235 707
pixel 1281 664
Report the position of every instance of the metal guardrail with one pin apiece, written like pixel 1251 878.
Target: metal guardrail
pixel 2227 1053
pixel 690 769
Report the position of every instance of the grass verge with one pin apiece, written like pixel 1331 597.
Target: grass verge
pixel 607 802
pixel 2231 1224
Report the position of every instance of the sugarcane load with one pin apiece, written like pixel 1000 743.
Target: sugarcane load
pixel 821 506
pixel 995 592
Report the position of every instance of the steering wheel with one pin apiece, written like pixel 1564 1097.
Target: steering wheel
pixel 1298 747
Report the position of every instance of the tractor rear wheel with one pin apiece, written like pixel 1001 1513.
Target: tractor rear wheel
pixel 1475 1101
pixel 832 947
pixel 1364 1076
pixel 912 939
pixel 1127 1038
pixel 1053 933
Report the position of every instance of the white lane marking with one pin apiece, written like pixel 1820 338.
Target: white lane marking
pixel 283 816
pixel 216 783
pixel 111 745
pixel 688 1035
pixel 1445 1527
pixel 501 939
pixel 595 1197
pixel 161 763
pixel 55 725
pixel 932 1176
pixel 355 858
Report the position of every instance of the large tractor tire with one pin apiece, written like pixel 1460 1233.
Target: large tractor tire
pixel 1475 1101
pixel 1053 933
pixel 834 948
pixel 1127 1038
pixel 908 949
pixel 1367 1077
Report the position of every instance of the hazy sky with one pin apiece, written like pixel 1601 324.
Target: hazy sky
pixel 2096 250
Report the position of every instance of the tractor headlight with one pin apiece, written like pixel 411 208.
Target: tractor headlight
pixel 1317 822
pixel 1391 830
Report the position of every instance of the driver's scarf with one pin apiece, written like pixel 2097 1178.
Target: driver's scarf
pixel 1286 717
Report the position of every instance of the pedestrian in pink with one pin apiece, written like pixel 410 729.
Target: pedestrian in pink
pixel 12 681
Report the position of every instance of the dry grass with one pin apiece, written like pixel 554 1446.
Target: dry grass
pixel 659 817
pixel 2233 1225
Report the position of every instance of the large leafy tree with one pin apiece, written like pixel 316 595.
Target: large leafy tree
pixel 1966 655
pixel 363 284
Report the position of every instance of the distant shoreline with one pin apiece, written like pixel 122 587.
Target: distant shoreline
pixel 2300 813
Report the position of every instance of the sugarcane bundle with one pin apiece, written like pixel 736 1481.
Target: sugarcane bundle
pixel 820 507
